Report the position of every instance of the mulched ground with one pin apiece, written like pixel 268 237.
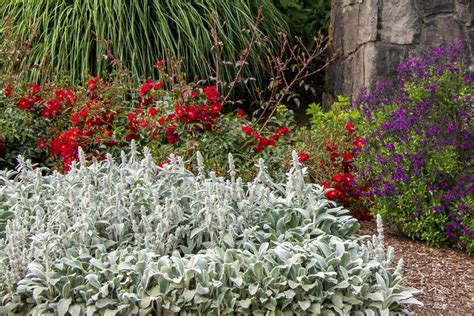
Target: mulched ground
pixel 445 276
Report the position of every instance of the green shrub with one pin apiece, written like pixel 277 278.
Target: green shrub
pixel 75 37
pixel 306 17
pixel 129 237
pixel 333 144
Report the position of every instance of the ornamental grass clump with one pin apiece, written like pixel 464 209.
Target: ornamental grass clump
pixel 78 37
pixel 419 148
pixel 129 237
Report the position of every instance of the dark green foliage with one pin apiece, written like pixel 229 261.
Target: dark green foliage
pixel 306 17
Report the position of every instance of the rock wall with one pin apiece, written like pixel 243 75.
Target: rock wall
pixel 373 36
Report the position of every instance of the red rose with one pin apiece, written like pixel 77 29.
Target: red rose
pixel 35 88
pixel 240 113
pixel 347 156
pixel 152 111
pixel 211 93
pixel 159 64
pixel 191 114
pixel 284 130
pixel 143 123
pixel 83 113
pixel 263 142
pixel 247 129
pixel 41 144
pixel 350 127
pixel 216 107
pixel 146 87
pixel 276 135
pixel 158 85
pixel 179 111
pixel 24 104
pixel 338 177
pixel 8 91
pixel 302 157
pixel 333 194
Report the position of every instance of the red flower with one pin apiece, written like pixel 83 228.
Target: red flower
pixel 191 114
pixel 25 104
pixel 211 93
pixel 41 144
pixel 349 179
pixel 347 156
pixel 83 113
pixel 333 194
pixel 264 142
pixel 357 144
pixel 240 113
pixel 284 130
pixel 302 157
pixel 276 135
pixel 92 84
pixel 159 64
pixel 143 123
pixel 35 88
pixel 247 130
pixel 152 111
pixel 146 87
pixel 8 91
pixel 179 111
pixel 158 85
pixel 216 107
pixel 350 127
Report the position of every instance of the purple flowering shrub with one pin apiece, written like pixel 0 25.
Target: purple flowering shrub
pixel 419 148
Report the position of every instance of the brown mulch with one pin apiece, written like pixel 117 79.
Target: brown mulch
pixel 445 276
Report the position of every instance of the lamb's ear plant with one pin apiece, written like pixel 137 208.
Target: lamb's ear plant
pixel 128 237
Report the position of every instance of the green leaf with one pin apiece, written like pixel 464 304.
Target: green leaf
pixel 93 280
pixel 63 306
pixel 290 294
pixel 304 305
pixel 105 302
pixel 75 310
